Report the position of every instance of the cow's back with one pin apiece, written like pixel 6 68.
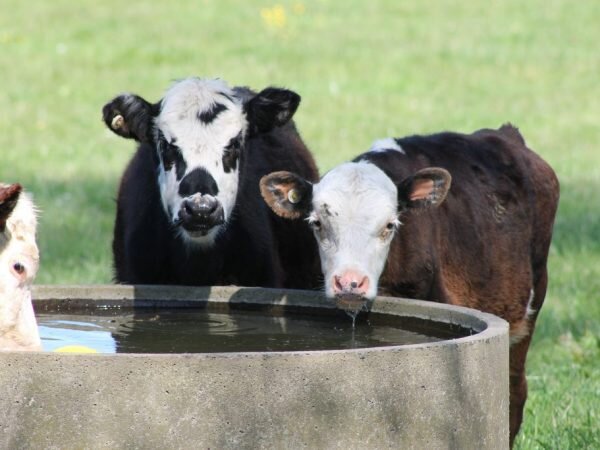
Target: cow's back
pixel 486 245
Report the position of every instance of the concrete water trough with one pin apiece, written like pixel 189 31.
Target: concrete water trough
pixel 451 393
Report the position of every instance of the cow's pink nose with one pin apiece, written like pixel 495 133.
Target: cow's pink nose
pixel 350 282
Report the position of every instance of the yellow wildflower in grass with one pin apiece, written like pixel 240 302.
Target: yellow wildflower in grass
pixel 299 8
pixel 274 17
pixel 6 37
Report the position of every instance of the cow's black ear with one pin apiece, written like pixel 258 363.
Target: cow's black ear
pixel 9 196
pixel 270 108
pixel 425 188
pixel 287 194
pixel 130 116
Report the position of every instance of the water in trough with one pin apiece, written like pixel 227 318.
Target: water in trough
pixel 201 331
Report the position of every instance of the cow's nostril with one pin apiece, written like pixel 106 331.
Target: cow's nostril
pixel 337 285
pixel 206 207
pixel 364 284
pixel 188 208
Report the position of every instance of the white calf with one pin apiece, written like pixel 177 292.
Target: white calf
pixel 19 261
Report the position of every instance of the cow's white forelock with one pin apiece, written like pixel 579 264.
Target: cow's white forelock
pixel 386 144
pixel 202 144
pixel 354 202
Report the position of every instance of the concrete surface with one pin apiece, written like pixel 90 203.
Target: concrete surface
pixel 451 394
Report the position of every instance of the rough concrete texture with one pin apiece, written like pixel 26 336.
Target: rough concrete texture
pixel 452 394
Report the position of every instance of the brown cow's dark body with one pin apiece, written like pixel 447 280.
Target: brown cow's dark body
pixel 486 245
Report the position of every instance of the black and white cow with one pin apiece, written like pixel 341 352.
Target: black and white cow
pixel 389 222
pixel 189 209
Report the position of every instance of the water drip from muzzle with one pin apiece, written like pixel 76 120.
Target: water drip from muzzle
pixel 352 305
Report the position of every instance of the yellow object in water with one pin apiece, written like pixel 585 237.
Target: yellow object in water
pixel 75 349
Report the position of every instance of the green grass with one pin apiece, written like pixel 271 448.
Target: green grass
pixel 365 70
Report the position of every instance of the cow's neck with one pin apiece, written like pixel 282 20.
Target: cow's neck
pixel 24 334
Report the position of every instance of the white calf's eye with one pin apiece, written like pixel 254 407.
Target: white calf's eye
pixel 19 268
pixel 314 222
pixel 388 230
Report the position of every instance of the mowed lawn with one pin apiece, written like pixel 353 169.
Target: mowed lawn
pixel 365 70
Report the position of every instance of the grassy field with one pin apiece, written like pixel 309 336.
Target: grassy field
pixel 365 70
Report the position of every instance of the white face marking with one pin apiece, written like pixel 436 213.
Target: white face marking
pixel 19 261
pixel 354 218
pixel 529 312
pixel 387 144
pixel 521 329
pixel 202 144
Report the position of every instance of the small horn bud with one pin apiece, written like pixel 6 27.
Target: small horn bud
pixel 117 122
pixel 294 196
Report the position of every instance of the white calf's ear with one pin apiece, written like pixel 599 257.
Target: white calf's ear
pixel 425 188
pixel 9 196
pixel 287 194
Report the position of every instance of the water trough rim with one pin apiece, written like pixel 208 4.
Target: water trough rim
pixel 487 326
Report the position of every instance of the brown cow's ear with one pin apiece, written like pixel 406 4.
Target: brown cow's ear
pixel 9 196
pixel 131 117
pixel 426 188
pixel 287 194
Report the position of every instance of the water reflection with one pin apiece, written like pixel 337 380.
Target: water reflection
pixel 200 331
pixel 60 331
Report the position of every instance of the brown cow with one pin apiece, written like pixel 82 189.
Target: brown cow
pixel 483 243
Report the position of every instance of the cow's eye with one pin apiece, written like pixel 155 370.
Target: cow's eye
pixel 19 268
pixel 388 230
pixel 314 223
pixel 168 153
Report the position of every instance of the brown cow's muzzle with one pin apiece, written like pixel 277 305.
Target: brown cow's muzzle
pixel 350 290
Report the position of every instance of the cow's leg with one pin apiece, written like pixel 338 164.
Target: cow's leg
pixel 518 357
pixel 518 385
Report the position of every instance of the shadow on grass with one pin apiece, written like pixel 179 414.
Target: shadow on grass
pixel 75 229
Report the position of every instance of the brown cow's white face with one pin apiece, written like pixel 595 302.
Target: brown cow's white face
pixel 354 213
pixel 19 261
pixel 354 217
